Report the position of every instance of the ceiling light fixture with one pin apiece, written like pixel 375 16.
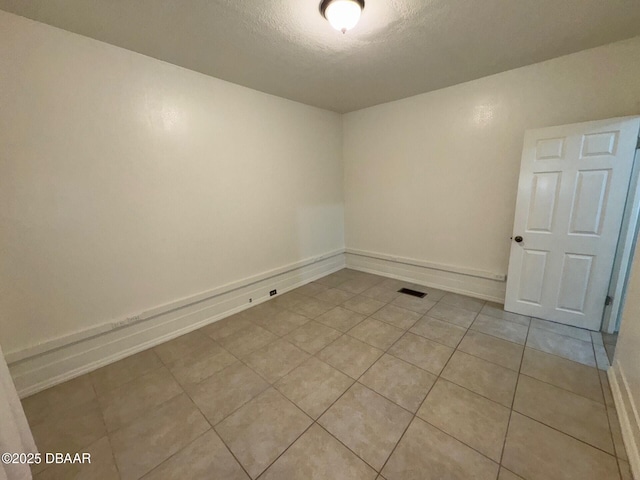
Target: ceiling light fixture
pixel 343 15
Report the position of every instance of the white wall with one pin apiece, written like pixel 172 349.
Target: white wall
pixel 625 374
pixel 434 177
pixel 127 183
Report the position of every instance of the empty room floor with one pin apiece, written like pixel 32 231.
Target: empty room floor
pixel 346 378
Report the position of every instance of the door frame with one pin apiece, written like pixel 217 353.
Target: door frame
pixel 627 239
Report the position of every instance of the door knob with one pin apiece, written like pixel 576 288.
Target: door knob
pixel 518 239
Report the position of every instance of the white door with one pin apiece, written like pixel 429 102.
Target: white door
pixel 571 197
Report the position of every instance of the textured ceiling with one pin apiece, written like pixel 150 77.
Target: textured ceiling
pixel 400 47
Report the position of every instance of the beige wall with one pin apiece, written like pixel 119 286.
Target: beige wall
pixel 627 362
pixel 434 177
pixel 127 183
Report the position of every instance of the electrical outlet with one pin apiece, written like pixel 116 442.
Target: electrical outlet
pixel 273 292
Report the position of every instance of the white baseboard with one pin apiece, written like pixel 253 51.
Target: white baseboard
pixel 474 283
pixel 628 415
pixel 35 370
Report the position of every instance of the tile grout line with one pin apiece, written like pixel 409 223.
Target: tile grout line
pixel 564 433
pixel 595 365
pixel 347 389
pixel 181 450
pixel 438 377
pixel 511 409
pixel 513 401
pixel 239 360
pixel 561 388
pixel 551 426
pixel 385 352
pixel 290 306
pixel 104 422
pixel 357 380
pixel 106 433
pixel 607 408
pixel 264 470
pixel 211 427
pixel 315 421
pixel 415 415
pixel 166 365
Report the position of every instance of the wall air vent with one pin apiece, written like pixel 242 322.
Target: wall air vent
pixel 413 293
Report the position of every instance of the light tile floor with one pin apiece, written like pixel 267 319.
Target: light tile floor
pixel 346 378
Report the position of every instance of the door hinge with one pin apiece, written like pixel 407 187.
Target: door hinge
pixel 608 301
